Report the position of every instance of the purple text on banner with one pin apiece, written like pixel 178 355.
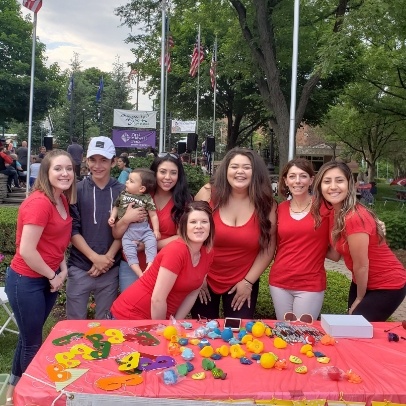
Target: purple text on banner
pixel 134 138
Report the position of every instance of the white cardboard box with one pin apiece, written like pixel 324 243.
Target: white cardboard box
pixel 346 326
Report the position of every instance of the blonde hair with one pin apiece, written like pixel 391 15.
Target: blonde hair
pixel 42 182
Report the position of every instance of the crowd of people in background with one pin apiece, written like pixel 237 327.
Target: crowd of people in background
pixel 185 253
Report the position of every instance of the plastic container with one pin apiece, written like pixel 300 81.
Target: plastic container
pixel 3 387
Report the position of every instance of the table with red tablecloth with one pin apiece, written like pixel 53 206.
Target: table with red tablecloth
pixel 381 365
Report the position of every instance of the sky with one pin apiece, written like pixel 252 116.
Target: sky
pixel 89 28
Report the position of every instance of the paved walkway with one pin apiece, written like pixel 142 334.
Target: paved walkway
pixel 339 266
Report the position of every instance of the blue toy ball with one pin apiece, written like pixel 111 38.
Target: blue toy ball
pixel 227 334
pixel 249 325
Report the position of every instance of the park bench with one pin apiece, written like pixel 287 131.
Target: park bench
pixel 393 199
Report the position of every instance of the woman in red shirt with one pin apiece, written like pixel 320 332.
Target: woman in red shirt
pixel 378 285
pixel 38 269
pixel 171 285
pixel 244 213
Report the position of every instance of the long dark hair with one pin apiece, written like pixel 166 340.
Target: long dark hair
pixel 180 192
pixel 259 190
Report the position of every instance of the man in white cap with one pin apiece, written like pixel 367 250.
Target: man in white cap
pixel 95 255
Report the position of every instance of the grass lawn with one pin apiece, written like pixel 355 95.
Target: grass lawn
pixel 335 302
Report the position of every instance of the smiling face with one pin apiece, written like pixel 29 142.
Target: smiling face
pixel 298 181
pixel 133 184
pixel 198 226
pixel 334 187
pixel 239 172
pixel 99 166
pixel 166 175
pixel 61 173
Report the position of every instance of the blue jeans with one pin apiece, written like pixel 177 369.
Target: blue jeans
pixel 31 301
pixel 126 276
pixel 12 176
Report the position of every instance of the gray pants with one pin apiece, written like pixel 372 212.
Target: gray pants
pixel 79 287
pixel 139 232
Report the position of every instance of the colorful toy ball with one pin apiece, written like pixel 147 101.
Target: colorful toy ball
pixel 310 340
pixel 267 361
pixel 169 332
pixel 249 326
pixel 258 329
pixel 227 334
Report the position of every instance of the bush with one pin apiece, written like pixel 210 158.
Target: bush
pixel 395 223
pixel 8 226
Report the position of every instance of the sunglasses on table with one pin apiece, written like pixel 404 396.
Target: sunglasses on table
pixel 304 318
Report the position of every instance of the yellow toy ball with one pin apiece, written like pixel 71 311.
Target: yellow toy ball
pixel 169 332
pixel 267 361
pixel 258 329
pixel 279 343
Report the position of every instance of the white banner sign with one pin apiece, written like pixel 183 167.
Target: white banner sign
pixel 183 126
pixel 134 119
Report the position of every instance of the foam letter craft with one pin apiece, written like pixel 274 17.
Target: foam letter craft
pixel 116 382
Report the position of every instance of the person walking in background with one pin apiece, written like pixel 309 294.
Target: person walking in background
pixel 171 285
pixel 378 285
pixel 76 151
pixel 297 279
pixel 38 269
pixel 137 190
pixel 170 197
pixel 123 163
pixel 42 152
pixel 22 154
pixel 244 214
pixel 94 255
pixel 34 169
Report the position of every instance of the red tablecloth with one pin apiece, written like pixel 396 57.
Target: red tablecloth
pixel 380 363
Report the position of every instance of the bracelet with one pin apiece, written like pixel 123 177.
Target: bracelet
pixel 246 280
pixel 51 279
pixel 248 284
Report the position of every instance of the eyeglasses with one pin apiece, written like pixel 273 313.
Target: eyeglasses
pixel 304 318
pixel 165 154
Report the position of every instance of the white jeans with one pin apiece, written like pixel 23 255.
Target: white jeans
pixel 296 301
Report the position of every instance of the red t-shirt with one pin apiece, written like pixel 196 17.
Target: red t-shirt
pixel 167 228
pixel 385 270
pixel 301 250
pixel 235 250
pixel 38 210
pixel 135 302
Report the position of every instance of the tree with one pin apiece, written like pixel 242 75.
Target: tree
pixel 238 99
pixel 15 68
pixel 83 117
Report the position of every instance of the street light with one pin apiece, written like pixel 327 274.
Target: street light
pixel 83 128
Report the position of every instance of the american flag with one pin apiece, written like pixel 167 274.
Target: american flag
pixel 197 58
pixel 131 75
pixel 33 5
pixel 213 67
pixel 169 44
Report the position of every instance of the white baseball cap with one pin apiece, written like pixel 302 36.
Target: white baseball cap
pixel 101 146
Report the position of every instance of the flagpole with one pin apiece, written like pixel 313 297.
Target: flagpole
pixel 166 76
pixel 101 109
pixel 215 86
pixel 34 41
pixel 71 82
pixel 198 87
pixel 162 99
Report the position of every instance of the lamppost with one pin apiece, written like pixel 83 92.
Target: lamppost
pixel 83 129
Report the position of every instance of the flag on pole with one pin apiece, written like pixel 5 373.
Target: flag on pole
pixel 100 90
pixel 131 75
pixel 70 88
pixel 213 67
pixel 197 58
pixel 33 5
pixel 169 45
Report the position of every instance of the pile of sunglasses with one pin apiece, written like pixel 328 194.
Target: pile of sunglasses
pixel 296 333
